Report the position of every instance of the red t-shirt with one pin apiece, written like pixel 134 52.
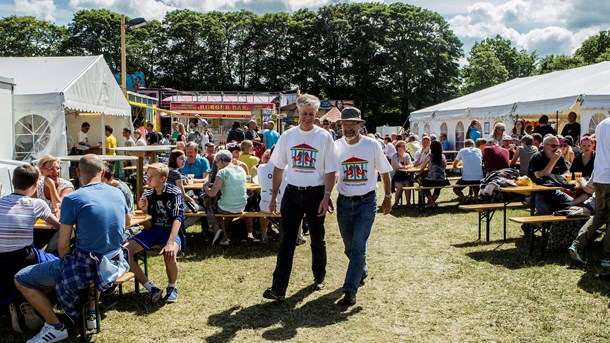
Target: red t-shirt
pixel 495 157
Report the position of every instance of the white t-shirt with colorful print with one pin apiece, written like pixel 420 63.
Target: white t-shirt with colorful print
pixel 305 156
pixel 358 165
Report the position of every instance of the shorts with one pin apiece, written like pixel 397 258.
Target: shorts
pixel 40 276
pixel 154 236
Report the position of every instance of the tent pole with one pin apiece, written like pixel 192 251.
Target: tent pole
pixel 557 122
pixel 103 134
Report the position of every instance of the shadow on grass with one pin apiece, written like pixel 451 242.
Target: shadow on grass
pixel 199 248
pixel 417 212
pixel 320 312
pixel 514 258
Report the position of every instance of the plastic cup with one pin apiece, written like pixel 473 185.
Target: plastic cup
pixel 190 178
pixel 568 177
pixel 577 175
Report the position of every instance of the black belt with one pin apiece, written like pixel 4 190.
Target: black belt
pixel 358 197
pixel 306 188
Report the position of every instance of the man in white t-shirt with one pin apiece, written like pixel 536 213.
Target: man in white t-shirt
pixel 306 154
pixel 601 183
pixel 359 161
pixel 83 139
pixel 472 172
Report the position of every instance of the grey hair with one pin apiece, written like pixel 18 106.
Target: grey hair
pixel 469 143
pixel 223 155
pixel 548 138
pixel 308 100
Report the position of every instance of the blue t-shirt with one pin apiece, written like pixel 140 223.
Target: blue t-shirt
pixel 200 166
pixel 271 137
pixel 98 210
pixel 471 158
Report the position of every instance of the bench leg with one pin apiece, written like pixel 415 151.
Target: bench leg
pixel 481 214
pixel 544 230
pixel 532 235
pixel 487 220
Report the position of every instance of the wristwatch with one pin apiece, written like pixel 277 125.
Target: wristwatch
pixel 388 196
pixel 327 192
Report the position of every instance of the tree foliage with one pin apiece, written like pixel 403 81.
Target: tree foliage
pixel 493 61
pixel 391 59
pixel 28 36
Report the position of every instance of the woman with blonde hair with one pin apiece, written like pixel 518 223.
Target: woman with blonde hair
pixel 566 150
pixel 498 133
pixel 51 187
pixel 181 133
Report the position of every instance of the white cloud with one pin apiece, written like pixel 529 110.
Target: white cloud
pixel 41 9
pixel 149 9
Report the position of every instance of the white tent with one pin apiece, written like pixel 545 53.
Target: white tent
pixel 584 90
pixel 6 117
pixel 53 96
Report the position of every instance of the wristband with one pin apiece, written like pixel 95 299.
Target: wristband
pixel 327 192
pixel 388 196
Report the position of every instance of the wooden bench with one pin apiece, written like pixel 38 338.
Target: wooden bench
pixel 234 215
pixel 419 189
pixel 487 211
pixel 542 224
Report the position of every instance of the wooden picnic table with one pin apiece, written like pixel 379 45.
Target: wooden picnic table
pixel 109 158
pixel 136 219
pixel 149 151
pixel 250 186
pixel 529 190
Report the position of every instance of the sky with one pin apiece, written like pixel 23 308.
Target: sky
pixel 542 26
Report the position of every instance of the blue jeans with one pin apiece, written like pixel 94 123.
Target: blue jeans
pixel 355 216
pixel 551 201
pixel 296 204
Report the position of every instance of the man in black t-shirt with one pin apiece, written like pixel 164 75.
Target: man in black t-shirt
pixel 236 133
pixel 152 136
pixel 544 163
pixel 543 127
pixel 572 128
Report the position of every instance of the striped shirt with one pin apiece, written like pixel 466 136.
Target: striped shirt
pixel 18 214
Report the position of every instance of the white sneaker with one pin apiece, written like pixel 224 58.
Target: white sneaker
pixel 225 243
pixel 216 236
pixel 32 320
pixel 49 334
pixel 91 321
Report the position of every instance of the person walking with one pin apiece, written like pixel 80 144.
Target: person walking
pixel 359 161
pixel 306 154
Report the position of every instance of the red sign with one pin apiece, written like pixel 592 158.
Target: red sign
pixel 214 106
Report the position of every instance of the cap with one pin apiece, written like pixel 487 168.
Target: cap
pixel 507 138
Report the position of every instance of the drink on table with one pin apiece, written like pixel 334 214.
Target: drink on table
pixel 577 175
pixel 568 177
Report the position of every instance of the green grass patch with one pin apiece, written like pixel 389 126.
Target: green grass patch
pixel 430 281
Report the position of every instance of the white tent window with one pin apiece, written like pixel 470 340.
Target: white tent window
pixel 459 135
pixel 595 119
pixel 427 128
pixel 32 134
pixel 414 129
pixel 444 128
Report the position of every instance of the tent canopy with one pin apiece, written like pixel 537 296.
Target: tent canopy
pixel 54 95
pixel 534 95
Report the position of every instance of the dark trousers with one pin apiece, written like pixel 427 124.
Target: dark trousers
pixel 296 204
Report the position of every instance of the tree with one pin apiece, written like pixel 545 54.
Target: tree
pixel 485 70
pixel 595 49
pixel 507 64
pixel 552 63
pixel 27 37
pixel 95 32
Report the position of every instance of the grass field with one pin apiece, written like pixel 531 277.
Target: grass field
pixel 430 281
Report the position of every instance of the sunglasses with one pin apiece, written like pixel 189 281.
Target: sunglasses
pixel 554 145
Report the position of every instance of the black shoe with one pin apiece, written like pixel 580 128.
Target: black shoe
pixel 364 276
pixel 272 294
pixel 318 285
pixel 349 299
pixel 109 291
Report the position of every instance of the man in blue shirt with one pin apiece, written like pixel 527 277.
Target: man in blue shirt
pixel 195 164
pixel 100 214
pixel 271 136
pixel 471 159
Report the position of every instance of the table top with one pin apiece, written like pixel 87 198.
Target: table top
pixel 144 148
pixel 136 219
pixel 528 189
pixel 544 219
pixel 417 170
pixel 110 158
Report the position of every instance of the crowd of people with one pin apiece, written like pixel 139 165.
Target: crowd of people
pixel 93 241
